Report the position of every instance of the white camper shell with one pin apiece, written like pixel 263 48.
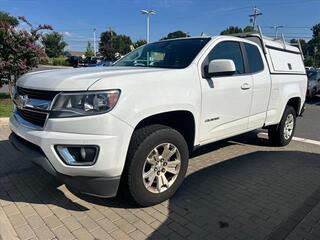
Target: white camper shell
pixel 287 72
pixel 282 57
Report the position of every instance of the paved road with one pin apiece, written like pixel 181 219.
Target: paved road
pixel 240 188
pixel 309 125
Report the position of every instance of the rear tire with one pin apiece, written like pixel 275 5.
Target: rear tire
pixel 156 164
pixel 282 133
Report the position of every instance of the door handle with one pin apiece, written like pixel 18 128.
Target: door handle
pixel 245 86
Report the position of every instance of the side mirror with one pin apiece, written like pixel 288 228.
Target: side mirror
pixel 221 67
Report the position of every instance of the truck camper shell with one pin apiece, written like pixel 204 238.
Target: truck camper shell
pixel 282 57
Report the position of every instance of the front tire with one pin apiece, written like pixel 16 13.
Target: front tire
pixel 282 133
pixel 156 164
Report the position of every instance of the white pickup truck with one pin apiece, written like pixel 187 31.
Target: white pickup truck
pixel 133 124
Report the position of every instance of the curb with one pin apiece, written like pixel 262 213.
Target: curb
pixel 53 67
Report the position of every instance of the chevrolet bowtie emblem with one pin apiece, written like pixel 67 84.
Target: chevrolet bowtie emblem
pixel 21 100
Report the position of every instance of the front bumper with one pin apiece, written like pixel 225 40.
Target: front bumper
pixel 97 186
pixel 110 134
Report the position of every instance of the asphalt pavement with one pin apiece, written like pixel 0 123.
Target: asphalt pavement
pixel 309 125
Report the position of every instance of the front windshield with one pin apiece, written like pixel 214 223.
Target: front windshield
pixel 165 54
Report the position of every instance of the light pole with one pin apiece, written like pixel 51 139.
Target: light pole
pixel 94 42
pixel 276 28
pixel 148 13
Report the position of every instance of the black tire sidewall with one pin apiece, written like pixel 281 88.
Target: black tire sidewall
pixel 135 181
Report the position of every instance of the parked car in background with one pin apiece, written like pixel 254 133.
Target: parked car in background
pixel 94 62
pixel 309 68
pixel 134 124
pixel 74 60
pixel 101 63
pixel 313 82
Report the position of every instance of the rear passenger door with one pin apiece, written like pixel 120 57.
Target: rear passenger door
pixel 261 85
pixel 226 100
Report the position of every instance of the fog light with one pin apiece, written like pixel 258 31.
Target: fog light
pixel 78 155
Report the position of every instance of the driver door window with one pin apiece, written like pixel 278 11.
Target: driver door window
pixel 228 50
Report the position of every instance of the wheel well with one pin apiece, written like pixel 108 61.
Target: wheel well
pixel 295 103
pixel 182 121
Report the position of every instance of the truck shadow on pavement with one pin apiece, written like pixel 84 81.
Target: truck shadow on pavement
pixel 259 195
pixel 22 181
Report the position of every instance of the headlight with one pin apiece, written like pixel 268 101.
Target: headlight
pixel 84 103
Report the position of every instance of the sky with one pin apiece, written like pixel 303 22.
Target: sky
pixel 76 19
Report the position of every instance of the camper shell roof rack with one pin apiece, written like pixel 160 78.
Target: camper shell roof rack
pixel 271 42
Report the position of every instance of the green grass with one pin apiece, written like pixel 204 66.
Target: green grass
pixel 5 105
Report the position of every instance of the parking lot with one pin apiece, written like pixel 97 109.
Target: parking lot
pixel 240 188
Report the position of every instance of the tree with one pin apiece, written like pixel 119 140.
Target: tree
pixel 176 34
pixel 231 30
pixel 248 29
pixel 19 49
pixel 53 44
pixel 316 31
pixel 89 50
pixel 6 18
pixel 112 44
pixel 124 44
pixel 139 43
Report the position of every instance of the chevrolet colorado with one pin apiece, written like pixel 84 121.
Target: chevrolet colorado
pixel 134 124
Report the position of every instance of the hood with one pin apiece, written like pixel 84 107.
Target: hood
pixel 76 79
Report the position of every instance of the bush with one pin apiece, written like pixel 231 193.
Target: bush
pixel 19 48
pixel 59 61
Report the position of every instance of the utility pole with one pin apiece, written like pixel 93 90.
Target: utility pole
pixel 148 13
pixel 94 42
pixel 253 17
pixel 276 29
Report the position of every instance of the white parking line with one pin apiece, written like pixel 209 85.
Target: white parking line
pixel 298 139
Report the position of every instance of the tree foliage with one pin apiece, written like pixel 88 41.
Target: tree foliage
pixel 19 48
pixel 54 44
pixel 248 29
pixel 311 49
pixel 89 53
pixel 176 34
pixel 139 43
pixel 231 30
pixel 235 29
pixel 112 44
pixel 8 19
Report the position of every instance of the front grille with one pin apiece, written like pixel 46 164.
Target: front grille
pixel 32 114
pixel 34 117
pixel 37 94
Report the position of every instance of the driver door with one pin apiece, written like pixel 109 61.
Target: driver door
pixel 226 100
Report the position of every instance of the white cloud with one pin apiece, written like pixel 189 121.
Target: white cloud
pixel 67 34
